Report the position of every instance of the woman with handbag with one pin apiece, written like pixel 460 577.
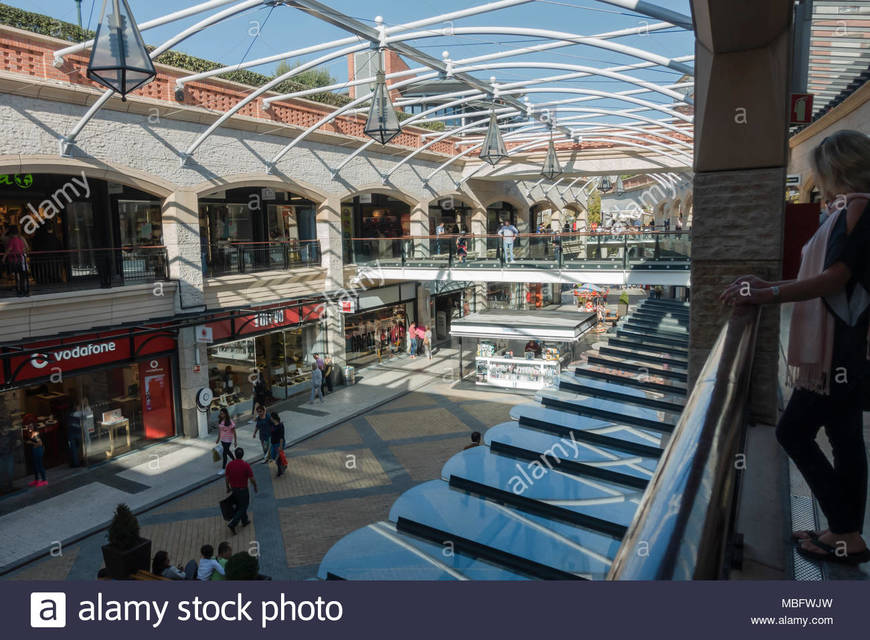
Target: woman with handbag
pixel 827 351
pixel 278 443
pixel 226 436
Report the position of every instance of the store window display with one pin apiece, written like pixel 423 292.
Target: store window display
pixel 372 334
pixel 91 418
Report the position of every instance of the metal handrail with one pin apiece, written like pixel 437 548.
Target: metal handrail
pixel 684 522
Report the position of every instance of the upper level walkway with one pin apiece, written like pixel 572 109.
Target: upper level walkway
pixel 632 258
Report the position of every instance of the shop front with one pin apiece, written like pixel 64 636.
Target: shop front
pixel 376 324
pixel 90 397
pixel 80 230
pixel 370 217
pixel 255 229
pixel 448 301
pixel 519 350
pixel 276 343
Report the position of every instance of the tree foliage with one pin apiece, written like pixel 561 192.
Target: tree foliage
pixel 312 78
pixel 593 207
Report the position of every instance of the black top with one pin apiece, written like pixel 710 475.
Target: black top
pixel 850 341
pixel 277 432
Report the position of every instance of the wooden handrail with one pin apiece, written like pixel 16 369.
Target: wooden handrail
pixel 683 524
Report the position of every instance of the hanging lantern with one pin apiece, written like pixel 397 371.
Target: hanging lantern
pixel 119 59
pixel 620 188
pixel 605 185
pixel 494 149
pixel 552 169
pixel 383 123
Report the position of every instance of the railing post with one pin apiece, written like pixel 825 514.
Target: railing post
pixel 450 247
pixel 240 257
pixel 657 251
pixel 625 252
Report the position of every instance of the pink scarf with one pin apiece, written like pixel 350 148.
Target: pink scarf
pixel 811 334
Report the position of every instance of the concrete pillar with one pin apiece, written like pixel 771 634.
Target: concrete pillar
pixel 478 230
pixel 739 182
pixel 479 303
pixel 419 227
pixel 329 234
pixel 181 237
pixel 193 423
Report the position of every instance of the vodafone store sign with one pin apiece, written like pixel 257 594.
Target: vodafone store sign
pixel 43 359
pixel 60 356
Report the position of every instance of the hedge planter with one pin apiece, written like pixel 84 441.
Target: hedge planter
pixel 121 564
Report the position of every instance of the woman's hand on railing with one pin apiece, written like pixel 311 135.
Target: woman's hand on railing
pixel 747 290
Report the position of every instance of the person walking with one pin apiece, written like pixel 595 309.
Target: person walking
pixel 37 453
pixel 226 436
pixel 508 233
pixel 412 340
pixel 10 440
pixel 239 474
pixel 263 428
pixel 328 370
pixel 427 342
pixel 16 261
pixel 316 383
pixel 278 442
pixel 827 350
pixel 259 391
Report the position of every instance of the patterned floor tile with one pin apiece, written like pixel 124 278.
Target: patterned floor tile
pixel 332 471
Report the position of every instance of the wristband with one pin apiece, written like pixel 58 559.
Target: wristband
pixel 775 291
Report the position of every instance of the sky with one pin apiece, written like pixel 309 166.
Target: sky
pixel 265 30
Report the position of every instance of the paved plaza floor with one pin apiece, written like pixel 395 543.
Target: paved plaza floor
pixel 337 481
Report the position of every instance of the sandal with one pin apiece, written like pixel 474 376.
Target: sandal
pixel 805 534
pixel 831 554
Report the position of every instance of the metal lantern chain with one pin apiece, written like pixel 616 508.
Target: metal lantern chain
pixel 605 185
pixel 119 60
pixel 383 122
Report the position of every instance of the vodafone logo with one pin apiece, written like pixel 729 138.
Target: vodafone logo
pixel 41 360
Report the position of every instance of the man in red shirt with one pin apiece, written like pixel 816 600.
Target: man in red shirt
pixel 237 476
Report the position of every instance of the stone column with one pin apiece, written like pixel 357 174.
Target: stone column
pixel 479 297
pixel 739 182
pixel 180 217
pixel 329 235
pixel 419 227
pixel 194 424
pixel 478 229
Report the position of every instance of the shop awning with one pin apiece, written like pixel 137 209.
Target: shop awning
pixel 551 326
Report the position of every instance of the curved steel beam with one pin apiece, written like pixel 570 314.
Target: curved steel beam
pixel 410 120
pixel 607 96
pixel 334 114
pixel 583 72
pixel 263 89
pixel 548 34
pixel 419 150
pixel 183 35
pixel 150 24
pixel 654 11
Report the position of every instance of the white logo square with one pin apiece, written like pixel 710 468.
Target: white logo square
pixel 47 610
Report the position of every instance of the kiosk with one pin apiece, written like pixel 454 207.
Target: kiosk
pixel 520 349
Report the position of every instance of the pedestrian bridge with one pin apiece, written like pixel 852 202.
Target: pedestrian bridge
pixel 647 258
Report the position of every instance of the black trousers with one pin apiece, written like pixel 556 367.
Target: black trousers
pixel 841 488
pixel 227 452
pixel 243 499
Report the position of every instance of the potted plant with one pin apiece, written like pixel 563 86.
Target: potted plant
pixel 126 552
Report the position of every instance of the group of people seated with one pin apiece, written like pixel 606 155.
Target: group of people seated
pixel 224 566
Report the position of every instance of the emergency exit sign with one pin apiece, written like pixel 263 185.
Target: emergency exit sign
pixel 801 108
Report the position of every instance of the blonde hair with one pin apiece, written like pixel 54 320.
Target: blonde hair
pixel 842 160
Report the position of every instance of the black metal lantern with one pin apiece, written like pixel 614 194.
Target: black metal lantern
pixel 119 59
pixel 552 169
pixel 494 149
pixel 383 123
pixel 620 188
pixel 605 185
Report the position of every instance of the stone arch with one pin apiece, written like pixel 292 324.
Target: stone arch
pixel 92 168
pixel 407 198
pixel 277 182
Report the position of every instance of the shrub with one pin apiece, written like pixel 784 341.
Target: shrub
pixel 242 566
pixel 124 530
